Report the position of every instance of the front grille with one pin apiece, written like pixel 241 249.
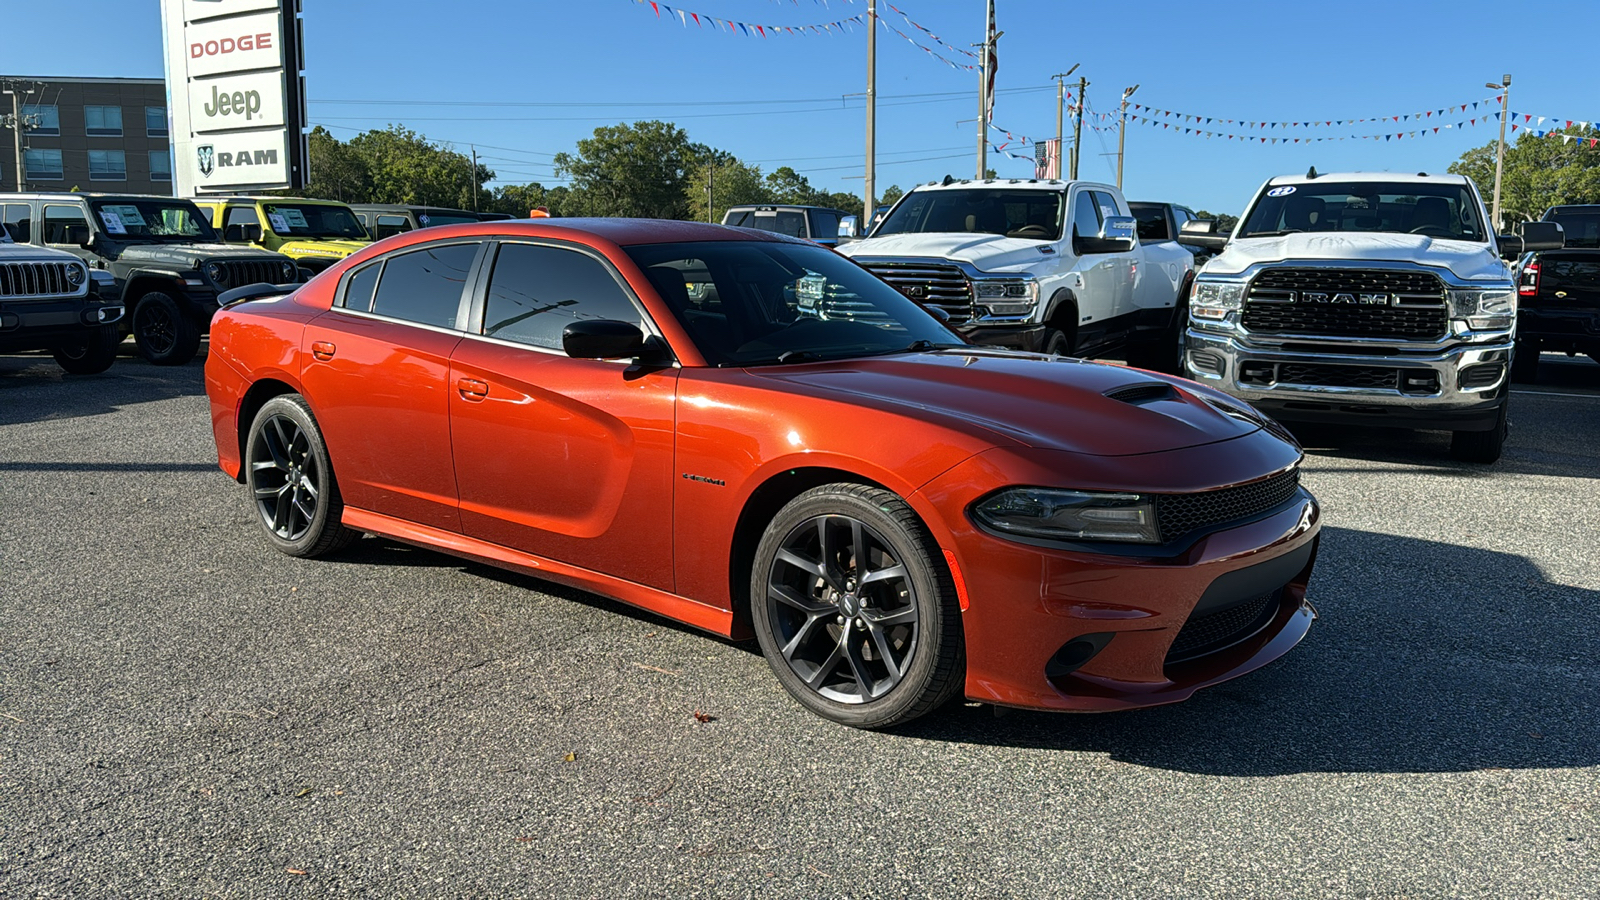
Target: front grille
pixel 1339 376
pixel 1181 514
pixel 35 279
pixel 242 272
pixel 1284 301
pixel 930 284
pixel 1222 628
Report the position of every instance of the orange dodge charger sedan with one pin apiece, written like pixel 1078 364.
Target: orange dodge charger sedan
pixel 753 435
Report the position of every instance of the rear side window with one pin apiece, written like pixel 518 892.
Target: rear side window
pixel 536 292
pixel 739 217
pixel 1153 222
pixel 18 221
pixel 792 224
pixel 64 225
pixel 424 286
pixel 824 224
pixel 389 226
pixel 358 290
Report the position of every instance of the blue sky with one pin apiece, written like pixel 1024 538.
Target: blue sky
pixel 575 65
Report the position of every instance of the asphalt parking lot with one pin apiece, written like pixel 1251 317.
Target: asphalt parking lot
pixel 186 713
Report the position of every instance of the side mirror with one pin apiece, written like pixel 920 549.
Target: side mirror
pixel 603 339
pixel 849 228
pixel 88 240
pixel 1116 236
pixel 250 234
pixel 1202 233
pixel 1542 236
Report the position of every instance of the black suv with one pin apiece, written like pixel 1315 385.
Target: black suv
pixel 167 262
pixel 50 300
pixel 1558 293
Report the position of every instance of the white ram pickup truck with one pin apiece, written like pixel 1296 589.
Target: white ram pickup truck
pixel 1371 298
pixel 1050 266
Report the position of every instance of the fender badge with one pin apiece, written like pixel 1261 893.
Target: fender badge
pixel 704 480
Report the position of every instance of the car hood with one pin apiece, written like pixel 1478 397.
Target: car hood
pixel 11 253
pixel 989 252
pixel 1049 403
pixel 329 248
pixel 1467 260
pixel 184 255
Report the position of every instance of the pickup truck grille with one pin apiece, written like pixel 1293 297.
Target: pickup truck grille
pixel 930 284
pixel 35 279
pixel 1327 303
pixel 253 271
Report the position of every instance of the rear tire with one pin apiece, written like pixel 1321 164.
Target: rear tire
pixel 1483 446
pixel 93 355
pixel 291 482
pixel 1525 362
pixel 166 337
pixel 1054 342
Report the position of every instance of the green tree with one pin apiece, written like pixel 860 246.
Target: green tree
pixel 890 195
pixel 336 171
pixel 406 167
pixel 1539 172
pixel 639 170
pixel 788 186
pixel 520 199
pixel 1225 222
pixel 724 182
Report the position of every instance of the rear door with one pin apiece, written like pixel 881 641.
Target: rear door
pixel 377 369
pixel 567 459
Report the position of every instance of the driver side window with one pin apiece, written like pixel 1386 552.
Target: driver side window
pixel 1085 216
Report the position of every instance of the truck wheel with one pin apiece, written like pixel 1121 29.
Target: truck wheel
pixel 1482 446
pixel 1525 362
pixel 165 336
pixel 1054 343
pixel 93 355
pixel 1165 352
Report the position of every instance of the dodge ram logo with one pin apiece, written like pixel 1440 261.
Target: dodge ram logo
pixel 207 155
pixel 915 291
pixel 1341 299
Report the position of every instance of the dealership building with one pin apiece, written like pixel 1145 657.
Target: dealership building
pixel 92 134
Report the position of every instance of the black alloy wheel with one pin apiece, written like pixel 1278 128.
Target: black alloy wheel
pixel 291 480
pixel 853 612
pixel 1055 343
pixel 91 355
pixel 165 336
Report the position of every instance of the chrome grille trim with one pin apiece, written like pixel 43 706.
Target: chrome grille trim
pixel 38 279
pixel 944 286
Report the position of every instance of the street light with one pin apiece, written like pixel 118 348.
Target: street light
pixel 1500 150
pixel 1122 131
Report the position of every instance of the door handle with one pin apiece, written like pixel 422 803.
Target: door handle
pixel 323 350
pixel 472 388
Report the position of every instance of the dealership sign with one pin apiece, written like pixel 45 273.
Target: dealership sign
pixel 236 95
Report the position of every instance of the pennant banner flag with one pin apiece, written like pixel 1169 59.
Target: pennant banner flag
pixel 1260 125
pixel 701 20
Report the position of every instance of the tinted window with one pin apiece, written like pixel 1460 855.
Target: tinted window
pixel 1085 216
pixel 536 292
pixel 358 290
pixel 243 215
pixel 824 225
pixel 1152 221
pixel 18 220
pixel 391 225
pixel 737 217
pixel 58 222
pixel 425 285
pixel 792 224
pixel 1582 226
pixel 1030 214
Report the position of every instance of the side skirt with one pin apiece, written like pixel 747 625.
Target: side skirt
pixel 690 612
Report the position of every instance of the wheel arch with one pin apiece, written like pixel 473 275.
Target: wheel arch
pixel 1062 313
pixel 256 397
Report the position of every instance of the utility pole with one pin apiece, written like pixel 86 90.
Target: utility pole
pixel 990 36
pixel 1500 150
pixel 1122 131
pixel 1077 125
pixel 872 115
pixel 475 187
pixel 19 123
pixel 1061 104
pixel 711 192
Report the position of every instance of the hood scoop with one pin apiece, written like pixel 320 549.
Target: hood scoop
pixel 1145 392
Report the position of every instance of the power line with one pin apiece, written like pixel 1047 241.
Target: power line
pixel 654 103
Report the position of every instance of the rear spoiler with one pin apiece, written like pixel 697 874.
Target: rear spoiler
pixel 254 292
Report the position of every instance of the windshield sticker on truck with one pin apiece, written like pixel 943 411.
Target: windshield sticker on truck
pixel 1284 191
pixel 278 223
pixel 294 217
pixel 129 215
pixel 423 219
pixel 113 222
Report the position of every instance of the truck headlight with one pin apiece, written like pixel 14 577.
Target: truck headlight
pixel 1008 296
pixel 217 272
pixel 1066 515
pixel 1213 300
pixel 1486 310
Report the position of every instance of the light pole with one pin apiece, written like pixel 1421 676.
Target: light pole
pixel 1122 131
pixel 1061 105
pixel 872 113
pixel 1077 124
pixel 1500 150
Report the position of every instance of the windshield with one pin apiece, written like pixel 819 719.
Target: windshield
pixel 1013 213
pixel 311 220
pixel 1436 210
pixel 1582 226
pixel 749 303
pixel 156 220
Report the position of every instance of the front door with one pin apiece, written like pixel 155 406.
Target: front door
pixel 567 459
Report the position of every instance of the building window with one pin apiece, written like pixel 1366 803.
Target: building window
pixel 102 121
pixel 108 165
pixel 43 165
pixel 46 119
pixel 160 165
pixel 155 121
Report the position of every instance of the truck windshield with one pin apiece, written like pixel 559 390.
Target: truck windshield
pixel 1034 215
pixel 160 220
pixel 1581 224
pixel 1435 210
pixel 311 220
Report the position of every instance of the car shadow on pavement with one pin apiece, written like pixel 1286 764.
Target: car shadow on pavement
pixel 34 389
pixel 1427 657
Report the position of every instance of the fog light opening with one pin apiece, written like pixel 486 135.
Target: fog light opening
pixel 1075 653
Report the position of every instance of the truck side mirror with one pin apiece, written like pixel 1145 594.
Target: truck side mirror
pixel 1202 233
pixel 849 228
pixel 1542 236
pixel 1119 233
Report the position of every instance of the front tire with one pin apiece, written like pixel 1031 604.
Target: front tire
pixel 1483 446
pixel 291 483
pixel 1525 362
pixel 166 337
pixel 855 612
pixel 92 355
pixel 1054 342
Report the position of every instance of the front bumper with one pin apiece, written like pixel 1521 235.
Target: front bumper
pixel 1458 387
pixel 1015 337
pixel 44 324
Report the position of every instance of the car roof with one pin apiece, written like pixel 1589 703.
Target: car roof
pixel 404 207
pixel 91 195
pixel 783 206
pixel 252 198
pixel 622 232
pixel 1025 184
pixel 1382 177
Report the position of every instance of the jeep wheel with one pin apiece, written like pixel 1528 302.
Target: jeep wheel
pixel 291 481
pixel 1525 362
pixel 92 355
pixel 855 610
pixel 165 336
pixel 1483 446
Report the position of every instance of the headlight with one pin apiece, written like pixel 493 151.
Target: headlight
pixel 75 274
pixel 217 272
pixel 1485 310
pixel 1056 514
pixel 1008 297
pixel 290 272
pixel 1213 300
